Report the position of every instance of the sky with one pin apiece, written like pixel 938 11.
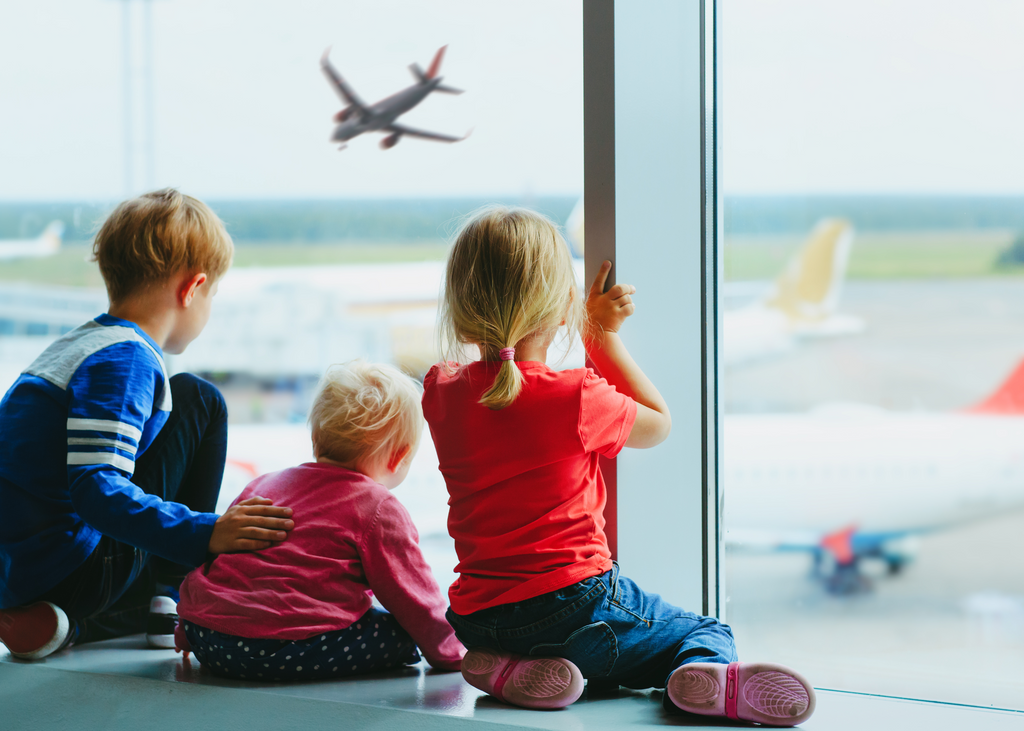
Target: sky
pixel 873 96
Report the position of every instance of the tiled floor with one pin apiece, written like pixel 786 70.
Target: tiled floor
pixel 120 685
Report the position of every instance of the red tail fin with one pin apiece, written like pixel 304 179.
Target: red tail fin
pixel 435 65
pixel 1007 399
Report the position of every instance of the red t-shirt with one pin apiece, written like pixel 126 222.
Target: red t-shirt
pixel 526 506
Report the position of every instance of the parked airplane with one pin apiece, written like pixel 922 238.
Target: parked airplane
pixel 801 304
pixel 358 117
pixel 851 482
pixel 47 244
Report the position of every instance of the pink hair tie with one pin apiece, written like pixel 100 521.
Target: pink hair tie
pixel 507 353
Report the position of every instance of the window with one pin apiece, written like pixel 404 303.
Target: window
pixel 872 216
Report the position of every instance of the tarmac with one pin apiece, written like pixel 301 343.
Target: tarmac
pixel 950 626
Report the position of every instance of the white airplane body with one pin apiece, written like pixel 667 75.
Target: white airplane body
pixel 808 475
pixel 46 244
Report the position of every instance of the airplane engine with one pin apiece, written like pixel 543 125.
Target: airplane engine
pixel 344 114
pixel 390 141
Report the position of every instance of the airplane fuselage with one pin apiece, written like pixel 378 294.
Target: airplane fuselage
pixel 881 472
pixel 383 114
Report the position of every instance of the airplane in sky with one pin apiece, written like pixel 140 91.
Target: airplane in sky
pixel 358 117
pixel 46 244
pixel 801 304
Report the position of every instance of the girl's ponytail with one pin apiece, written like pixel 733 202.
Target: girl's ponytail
pixel 509 277
pixel 506 387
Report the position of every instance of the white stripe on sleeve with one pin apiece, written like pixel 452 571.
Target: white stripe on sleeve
pixel 107 425
pixel 124 446
pixel 91 458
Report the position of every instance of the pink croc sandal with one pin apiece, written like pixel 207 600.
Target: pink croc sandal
pixel 530 682
pixel 758 692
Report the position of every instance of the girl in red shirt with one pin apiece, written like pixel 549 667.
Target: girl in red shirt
pixel 539 601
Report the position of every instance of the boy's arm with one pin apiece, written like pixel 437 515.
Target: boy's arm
pixel 607 311
pixel 111 399
pixel 401 579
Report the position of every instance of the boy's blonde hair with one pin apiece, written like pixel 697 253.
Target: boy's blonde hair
pixel 150 238
pixel 363 411
pixel 509 276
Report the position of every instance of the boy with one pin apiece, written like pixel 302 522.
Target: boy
pixel 97 471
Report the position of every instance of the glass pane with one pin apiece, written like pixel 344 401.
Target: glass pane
pixel 339 254
pixel 874 439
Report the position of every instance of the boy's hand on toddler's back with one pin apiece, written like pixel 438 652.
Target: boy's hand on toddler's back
pixel 250 525
pixel 608 310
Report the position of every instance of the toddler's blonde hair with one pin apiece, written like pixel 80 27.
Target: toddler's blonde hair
pixel 152 237
pixel 364 411
pixel 509 277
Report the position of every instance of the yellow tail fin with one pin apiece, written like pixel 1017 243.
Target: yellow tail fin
pixel 809 288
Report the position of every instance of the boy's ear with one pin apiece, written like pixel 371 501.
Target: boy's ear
pixel 187 288
pixel 397 457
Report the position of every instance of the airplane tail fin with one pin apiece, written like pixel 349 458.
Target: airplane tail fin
pixel 1008 399
pixel 418 72
pixel 435 65
pixel 52 236
pixel 447 89
pixel 808 289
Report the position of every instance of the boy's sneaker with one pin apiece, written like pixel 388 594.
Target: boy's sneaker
pixel 530 682
pixel 35 631
pixel 759 692
pixel 163 617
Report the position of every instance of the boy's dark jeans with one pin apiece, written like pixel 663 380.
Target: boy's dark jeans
pixel 616 633
pixel 108 596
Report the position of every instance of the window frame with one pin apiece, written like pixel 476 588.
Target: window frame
pixel 653 206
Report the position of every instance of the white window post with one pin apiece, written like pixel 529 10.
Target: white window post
pixel 652 206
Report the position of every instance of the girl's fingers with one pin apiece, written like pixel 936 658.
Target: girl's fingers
pixel 597 288
pixel 624 300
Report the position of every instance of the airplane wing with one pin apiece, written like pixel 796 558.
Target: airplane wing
pixel 413 132
pixel 346 92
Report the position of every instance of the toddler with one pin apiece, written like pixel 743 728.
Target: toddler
pixel 539 601
pixel 302 609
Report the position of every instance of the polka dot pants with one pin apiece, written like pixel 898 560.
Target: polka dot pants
pixel 374 643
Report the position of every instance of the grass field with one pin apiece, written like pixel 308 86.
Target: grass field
pixel 892 255
pixel 881 255
pixel 70 266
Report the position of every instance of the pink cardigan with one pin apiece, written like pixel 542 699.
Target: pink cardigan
pixel 352 540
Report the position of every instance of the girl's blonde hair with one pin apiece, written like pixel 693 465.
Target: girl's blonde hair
pixel 364 411
pixel 509 277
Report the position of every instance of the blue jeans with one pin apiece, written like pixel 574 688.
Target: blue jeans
pixel 616 633
pixel 108 596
